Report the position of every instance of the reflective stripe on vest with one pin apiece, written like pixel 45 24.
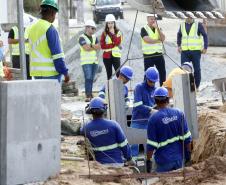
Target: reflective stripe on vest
pixel 168 141
pixel 88 57
pixel 151 48
pixel 191 41
pixel 15 47
pixel 137 104
pixel 110 147
pixel 116 51
pixel 41 61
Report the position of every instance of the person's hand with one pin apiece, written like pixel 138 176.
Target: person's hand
pixel 66 78
pixel 179 49
pixel 148 166
pixel 155 25
pixel 204 51
pixel 112 31
pixel 130 162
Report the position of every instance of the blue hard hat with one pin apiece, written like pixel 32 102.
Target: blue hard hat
pixel 152 74
pixel 161 92
pixel 97 103
pixel 127 72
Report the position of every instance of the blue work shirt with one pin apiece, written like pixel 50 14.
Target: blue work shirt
pixel 108 141
pixel 201 31
pixel 125 89
pixel 55 48
pixel 143 101
pixel 165 135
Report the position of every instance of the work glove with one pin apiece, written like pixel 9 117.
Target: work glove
pixel 148 166
pixel 130 162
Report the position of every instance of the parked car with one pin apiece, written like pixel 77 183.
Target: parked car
pixel 103 7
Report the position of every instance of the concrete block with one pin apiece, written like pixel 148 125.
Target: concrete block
pixel 117 111
pixel 185 99
pixel 29 131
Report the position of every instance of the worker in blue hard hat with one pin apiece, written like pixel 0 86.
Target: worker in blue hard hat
pixel 143 103
pixel 47 57
pixel 125 75
pixel 106 137
pixel 167 132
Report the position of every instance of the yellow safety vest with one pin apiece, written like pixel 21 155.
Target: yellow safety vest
pixel 116 51
pixel 15 47
pixel 191 41
pixel 151 48
pixel 41 59
pixel 88 57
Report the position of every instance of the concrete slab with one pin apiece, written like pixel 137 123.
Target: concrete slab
pixel 185 100
pixel 29 131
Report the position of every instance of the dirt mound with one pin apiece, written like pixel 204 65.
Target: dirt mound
pixel 211 171
pixel 212 135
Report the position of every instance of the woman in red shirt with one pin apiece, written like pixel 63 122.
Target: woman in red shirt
pixel 110 42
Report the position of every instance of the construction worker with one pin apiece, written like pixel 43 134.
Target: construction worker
pixel 190 38
pixel 125 75
pixel 89 62
pixel 106 137
pixel 167 132
pixel 143 103
pixel 47 57
pixel 185 68
pixel 13 40
pixel 152 38
pixel 110 42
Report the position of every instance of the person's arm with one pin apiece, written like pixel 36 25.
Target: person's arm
pixel 146 38
pixel 126 94
pixel 103 43
pixel 179 38
pixel 56 51
pixel 161 35
pixel 138 105
pixel 101 93
pixel 96 46
pixel 122 142
pixel 116 39
pixel 202 31
pixel 84 45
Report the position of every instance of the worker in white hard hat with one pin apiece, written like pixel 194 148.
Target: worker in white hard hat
pixel 89 45
pixel 110 42
pixel 13 40
pixel 192 41
pixel 186 67
pixel 152 38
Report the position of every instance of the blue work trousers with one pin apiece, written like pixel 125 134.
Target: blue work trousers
pixel 169 166
pixel 89 71
pixel 159 63
pixel 194 57
pixel 135 147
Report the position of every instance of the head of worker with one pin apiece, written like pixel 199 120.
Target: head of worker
pixel 189 20
pixel 151 19
pixel 125 74
pixel 49 8
pixel 151 76
pixel 110 23
pixel 161 97
pixel 187 66
pixel 90 27
pixel 97 107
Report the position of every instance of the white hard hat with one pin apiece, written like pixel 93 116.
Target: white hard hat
pixel 110 18
pixel 152 15
pixel 27 21
pixel 90 23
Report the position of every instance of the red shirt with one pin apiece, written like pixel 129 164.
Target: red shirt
pixel 116 41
